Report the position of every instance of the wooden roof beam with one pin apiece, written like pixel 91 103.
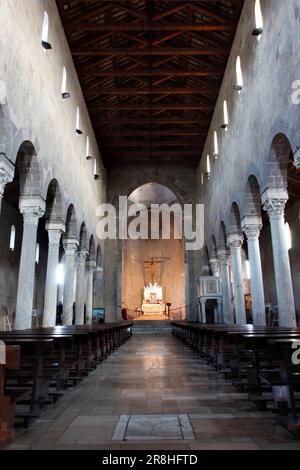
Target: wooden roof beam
pixel 172 51
pixel 119 27
pixel 154 91
pixel 194 145
pixel 129 107
pixel 161 122
pixel 151 73
pixel 150 133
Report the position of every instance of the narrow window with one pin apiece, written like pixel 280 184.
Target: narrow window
pixel 88 150
pixel 259 22
pixel 12 240
pixel 288 236
pixel 202 178
pixel 248 270
pixel 78 130
pixel 225 116
pixel 45 32
pixel 64 90
pixel 96 173
pixel 37 253
pixel 60 274
pixel 239 75
pixel 216 146
pixel 207 174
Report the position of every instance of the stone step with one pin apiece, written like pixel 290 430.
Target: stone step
pixel 151 326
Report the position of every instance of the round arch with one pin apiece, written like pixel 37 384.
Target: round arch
pixel 28 170
pixel 275 167
pixel 71 223
pixel 54 210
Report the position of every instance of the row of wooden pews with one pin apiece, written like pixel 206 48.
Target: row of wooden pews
pixel 259 361
pixel 41 364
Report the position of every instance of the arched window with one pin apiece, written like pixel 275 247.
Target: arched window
pixel 259 22
pixel 45 32
pixel 37 253
pixel 207 174
pixel 225 116
pixel 247 269
pixel 78 130
pixel 216 146
pixel 60 274
pixel 288 236
pixel 64 91
pixel 88 155
pixel 239 75
pixel 96 172
pixel 12 240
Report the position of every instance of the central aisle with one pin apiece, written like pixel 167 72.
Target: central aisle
pixel 190 406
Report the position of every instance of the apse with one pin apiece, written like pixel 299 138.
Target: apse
pixel 153 269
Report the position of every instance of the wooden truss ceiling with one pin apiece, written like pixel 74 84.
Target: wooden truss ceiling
pixel 150 71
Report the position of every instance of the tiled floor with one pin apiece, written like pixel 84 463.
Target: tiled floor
pixel 154 375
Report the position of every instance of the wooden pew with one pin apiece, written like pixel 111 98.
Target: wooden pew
pixel 7 404
pixel 59 357
pixel 248 353
pixel 286 382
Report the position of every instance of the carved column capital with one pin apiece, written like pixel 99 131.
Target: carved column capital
pixel 32 208
pixel 251 226
pixel 297 158
pixel 274 202
pixel 235 241
pixel 70 246
pixel 223 256
pixel 91 265
pixel 82 256
pixel 7 171
pixel 55 230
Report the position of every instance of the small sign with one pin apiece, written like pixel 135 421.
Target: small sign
pixel 98 315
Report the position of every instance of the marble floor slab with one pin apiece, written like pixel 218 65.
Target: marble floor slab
pixel 153 427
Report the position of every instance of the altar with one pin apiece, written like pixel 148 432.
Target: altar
pixel 153 309
pixel 153 302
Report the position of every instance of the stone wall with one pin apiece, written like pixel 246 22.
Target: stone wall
pixel 258 114
pixel 33 110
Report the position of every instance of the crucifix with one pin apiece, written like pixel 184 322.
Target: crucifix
pixel 151 264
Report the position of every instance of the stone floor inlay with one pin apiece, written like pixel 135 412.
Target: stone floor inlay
pixel 153 427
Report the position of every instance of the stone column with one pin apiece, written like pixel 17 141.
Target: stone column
pixel 98 287
pixel 188 312
pixel 251 226
pixel 7 171
pixel 55 230
pixel 70 247
pixel 274 201
pixel 80 287
pixel 226 290
pixel 215 267
pixel 91 265
pixel 235 242
pixel 203 311
pixel 32 208
pixel 219 318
